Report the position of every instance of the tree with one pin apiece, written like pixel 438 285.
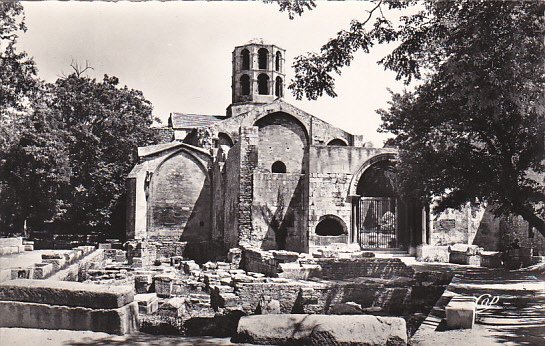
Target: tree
pixel 105 125
pixel 34 173
pixel 19 86
pixel 473 127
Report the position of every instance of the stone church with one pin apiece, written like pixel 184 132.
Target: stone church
pixel 271 176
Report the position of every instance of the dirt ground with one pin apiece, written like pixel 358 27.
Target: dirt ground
pixel 26 337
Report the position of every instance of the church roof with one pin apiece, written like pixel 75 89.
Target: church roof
pixel 185 120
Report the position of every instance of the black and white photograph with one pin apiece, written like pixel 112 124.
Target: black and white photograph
pixel 272 172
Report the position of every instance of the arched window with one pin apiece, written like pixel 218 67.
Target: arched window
pixel 278 87
pixel 245 84
pixel 337 142
pixel 245 56
pixel 330 226
pixel 262 58
pixel 278 167
pixel 263 84
pixel 278 61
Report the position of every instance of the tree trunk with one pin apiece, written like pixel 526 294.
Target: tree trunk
pixel 530 216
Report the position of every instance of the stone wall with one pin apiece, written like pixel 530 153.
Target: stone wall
pixel 179 201
pixel 328 196
pixel 342 269
pixel 322 132
pixel 279 211
pixel 338 159
pixel 282 138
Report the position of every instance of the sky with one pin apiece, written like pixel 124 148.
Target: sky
pixel 179 53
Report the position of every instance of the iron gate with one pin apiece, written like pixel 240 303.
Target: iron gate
pixel 377 222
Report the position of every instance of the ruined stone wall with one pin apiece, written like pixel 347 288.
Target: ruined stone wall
pixel 218 197
pixel 342 269
pixel 478 226
pixel 248 163
pixel 136 203
pixel 279 211
pixel 179 202
pixel 231 176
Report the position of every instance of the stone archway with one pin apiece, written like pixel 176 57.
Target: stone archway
pixel 375 203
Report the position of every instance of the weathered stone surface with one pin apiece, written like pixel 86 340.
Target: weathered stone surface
pixel 349 308
pixel 268 306
pixel 121 320
pixel 66 293
pixel 322 330
pixel 15 241
pixel 148 303
pixel 460 312
pixel 298 271
pixel 430 253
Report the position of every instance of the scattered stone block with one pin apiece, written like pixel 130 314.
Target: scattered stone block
pixel 460 312
pixel 22 273
pixel 491 259
pixel 321 330
pixel 163 285
pixel 174 307
pixel 431 253
pixel 268 306
pixel 148 303
pixel 349 308
pixel 234 256
pixel 142 283
pixel 66 293
pixel 29 247
pixel 42 270
pixel 190 266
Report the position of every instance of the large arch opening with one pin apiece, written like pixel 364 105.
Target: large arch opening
pixel 377 209
pixel 244 84
pixel 278 61
pixel 263 58
pixel 225 139
pixel 278 86
pixel 263 84
pixel 245 57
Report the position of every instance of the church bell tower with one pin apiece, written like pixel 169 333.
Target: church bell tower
pixel 258 76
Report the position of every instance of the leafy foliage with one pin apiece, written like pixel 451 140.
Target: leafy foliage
pixel 473 127
pixel 65 148
pixel 295 7
pixel 105 125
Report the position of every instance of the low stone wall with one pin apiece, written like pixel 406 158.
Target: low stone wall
pixel 66 293
pixel 77 271
pixel 46 304
pixel 341 269
pixel 14 245
pixel 122 320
